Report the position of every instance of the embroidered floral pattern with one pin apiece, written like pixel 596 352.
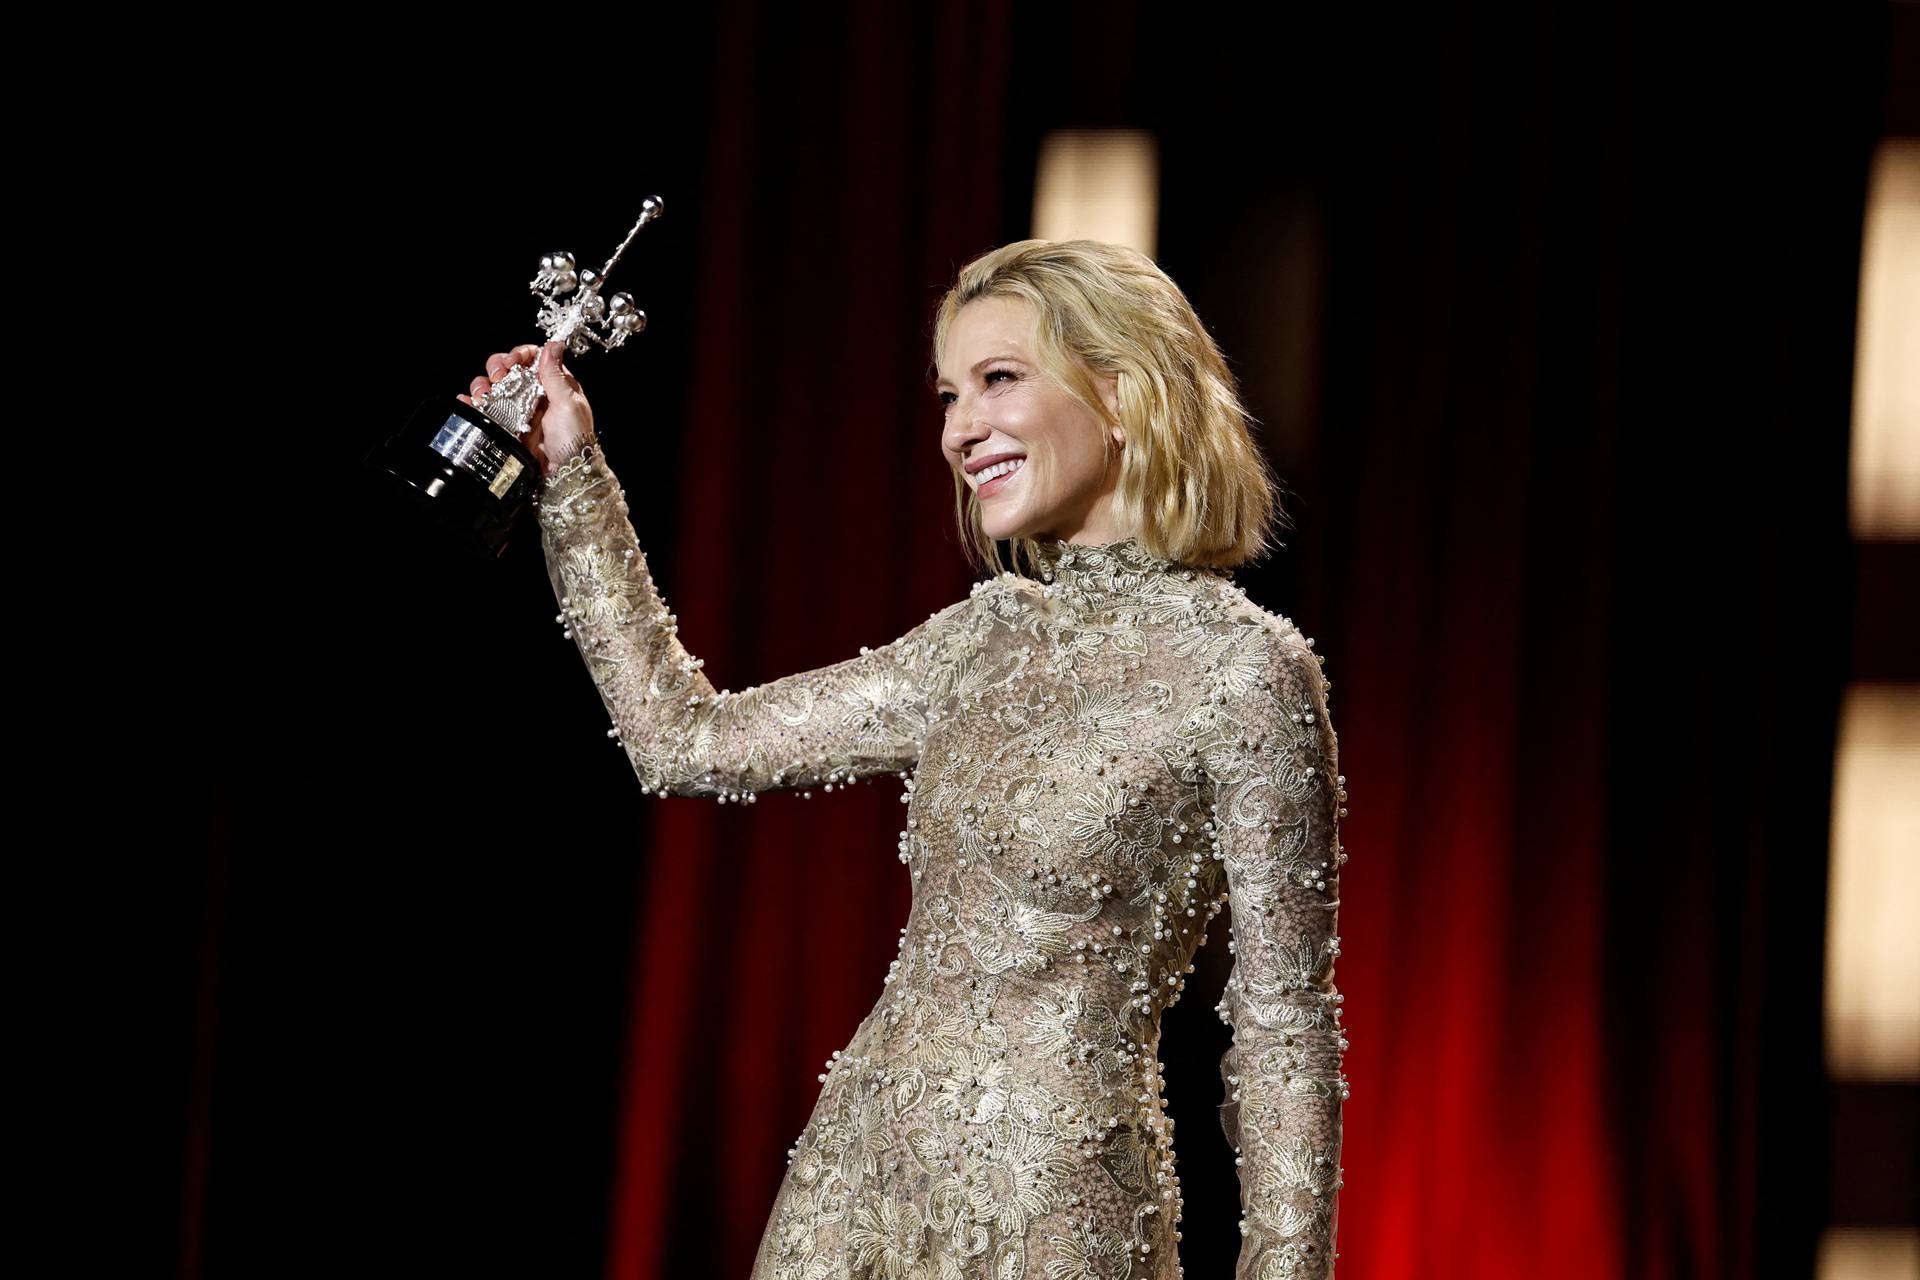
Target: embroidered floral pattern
pixel 1096 761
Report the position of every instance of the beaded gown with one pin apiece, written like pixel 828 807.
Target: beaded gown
pixel 1095 762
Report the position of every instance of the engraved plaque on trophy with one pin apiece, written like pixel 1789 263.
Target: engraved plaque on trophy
pixel 468 464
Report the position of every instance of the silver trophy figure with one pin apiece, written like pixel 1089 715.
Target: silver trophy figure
pixel 469 464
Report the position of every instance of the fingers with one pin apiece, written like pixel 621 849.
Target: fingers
pixel 500 361
pixel 527 353
pixel 560 367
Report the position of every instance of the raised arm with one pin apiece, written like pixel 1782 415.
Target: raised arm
pixel 1277 801
pixel 852 720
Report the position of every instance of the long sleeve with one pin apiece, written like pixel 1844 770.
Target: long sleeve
pixel 854 719
pixel 1277 805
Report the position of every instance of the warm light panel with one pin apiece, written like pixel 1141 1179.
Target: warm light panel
pixel 1885 485
pixel 1873 902
pixel 1098 184
pixel 1854 1253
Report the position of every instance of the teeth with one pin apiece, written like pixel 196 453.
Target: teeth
pixel 997 469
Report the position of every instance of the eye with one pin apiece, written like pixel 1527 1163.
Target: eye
pixel 947 397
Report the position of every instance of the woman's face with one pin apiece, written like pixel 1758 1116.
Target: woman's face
pixel 1000 406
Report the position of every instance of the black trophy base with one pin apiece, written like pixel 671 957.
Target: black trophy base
pixel 473 477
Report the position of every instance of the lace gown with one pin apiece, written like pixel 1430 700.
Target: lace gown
pixel 1095 763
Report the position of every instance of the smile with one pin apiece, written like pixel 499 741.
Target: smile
pixel 999 476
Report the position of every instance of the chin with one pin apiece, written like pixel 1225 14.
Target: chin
pixel 1001 525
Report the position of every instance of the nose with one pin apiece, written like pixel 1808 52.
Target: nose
pixel 963 428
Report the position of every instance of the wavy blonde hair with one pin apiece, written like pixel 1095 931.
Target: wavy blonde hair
pixel 1194 484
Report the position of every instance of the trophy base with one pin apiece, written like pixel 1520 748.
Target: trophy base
pixel 473 475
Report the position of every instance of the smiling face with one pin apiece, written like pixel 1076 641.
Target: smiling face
pixel 999 404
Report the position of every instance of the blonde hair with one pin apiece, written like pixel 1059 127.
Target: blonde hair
pixel 1194 484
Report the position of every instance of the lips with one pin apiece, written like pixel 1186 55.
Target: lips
pixel 1000 481
pixel 981 464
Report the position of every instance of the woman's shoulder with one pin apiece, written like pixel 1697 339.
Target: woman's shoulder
pixel 953 617
pixel 1238 609
pixel 1270 641
pixel 1002 588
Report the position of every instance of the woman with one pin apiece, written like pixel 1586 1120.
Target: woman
pixel 1097 751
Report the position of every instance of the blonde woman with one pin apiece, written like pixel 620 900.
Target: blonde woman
pixel 1101 749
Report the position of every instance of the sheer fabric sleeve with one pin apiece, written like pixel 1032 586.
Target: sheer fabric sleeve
pixel 1277 804
pixel 855 719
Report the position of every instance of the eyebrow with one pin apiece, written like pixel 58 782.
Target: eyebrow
pixel 942 382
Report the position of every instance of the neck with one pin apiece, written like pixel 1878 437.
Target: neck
pixel 1113 565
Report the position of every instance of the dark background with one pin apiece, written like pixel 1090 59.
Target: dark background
pixel 1548 324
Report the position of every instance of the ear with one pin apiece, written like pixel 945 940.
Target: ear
pixel 1110 396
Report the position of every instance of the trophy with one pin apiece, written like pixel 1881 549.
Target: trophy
pixel 467 464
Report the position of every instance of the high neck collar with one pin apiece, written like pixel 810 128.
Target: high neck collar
pixel 1105 567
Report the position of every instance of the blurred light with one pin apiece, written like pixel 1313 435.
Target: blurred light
pixel 1858 1253
pixel 1873 944
pixel 1098 184
pixel 1886 371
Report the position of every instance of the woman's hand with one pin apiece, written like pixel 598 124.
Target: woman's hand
pixel 563 420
